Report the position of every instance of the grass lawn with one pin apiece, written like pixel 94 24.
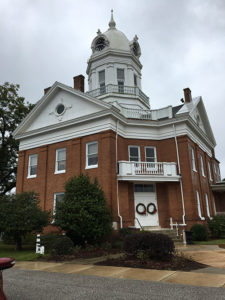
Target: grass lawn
pixel 28 253
pixel 211 242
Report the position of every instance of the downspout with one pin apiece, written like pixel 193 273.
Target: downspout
pixel 181 185
pixel 117 185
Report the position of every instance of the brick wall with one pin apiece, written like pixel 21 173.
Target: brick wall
pixel 168 194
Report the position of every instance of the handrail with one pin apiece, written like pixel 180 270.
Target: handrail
pixel 133 168
pixel 139 223
pixel 113 88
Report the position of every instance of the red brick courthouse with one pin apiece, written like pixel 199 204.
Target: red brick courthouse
pixel 157 167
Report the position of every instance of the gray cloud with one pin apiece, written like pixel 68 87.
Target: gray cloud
pixel 183 45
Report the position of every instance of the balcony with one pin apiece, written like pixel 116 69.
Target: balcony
pixel 118 89
pixel 147 171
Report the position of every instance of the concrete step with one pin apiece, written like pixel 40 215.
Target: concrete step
pixel 172 233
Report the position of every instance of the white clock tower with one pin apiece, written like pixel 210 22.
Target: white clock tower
pixel 114 69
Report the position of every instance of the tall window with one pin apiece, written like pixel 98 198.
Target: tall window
pixel 60 164
pixel 32 166
pixel 92 155
pixel 150 154
pixel 210 173
pixel 215 172
pixel 144 188
pixel 120 80
pixel 58 197
pixel 101 78
pixel 207 205
pixel 202 166
pixel 135 80
pixel 193 159
pixel 199 206
pixel 134 153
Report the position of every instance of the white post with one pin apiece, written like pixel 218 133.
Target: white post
pixel 39 249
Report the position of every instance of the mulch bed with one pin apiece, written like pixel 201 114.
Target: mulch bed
pixel 83 253
pixel 175 263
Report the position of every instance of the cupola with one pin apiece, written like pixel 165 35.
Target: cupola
pixel 114 68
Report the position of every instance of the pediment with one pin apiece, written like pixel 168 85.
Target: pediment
pixel 199 115
pixel 59 105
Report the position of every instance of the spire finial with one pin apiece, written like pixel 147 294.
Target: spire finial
pixel 112 23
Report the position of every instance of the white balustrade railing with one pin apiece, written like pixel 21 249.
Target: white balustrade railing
pixel 143 114
pixel 128 168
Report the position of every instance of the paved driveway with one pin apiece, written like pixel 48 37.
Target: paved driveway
pixel 38 285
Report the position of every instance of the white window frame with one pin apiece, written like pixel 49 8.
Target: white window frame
pixel 193 160
pixel 202 166
pixel 199 206
pixel 207 205
pixel 218 173
pixel 102 83
pixel 155 156
pixel 29 166
pixel 134 146
pixel 120 81
pixel 54 204
pixel 56 161
pixel 87 165
pixel 210 173
pixel 135 80
pixel 215 172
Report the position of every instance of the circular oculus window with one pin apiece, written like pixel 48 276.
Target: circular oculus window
pixel 60 109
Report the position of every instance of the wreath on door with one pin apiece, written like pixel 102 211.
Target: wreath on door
pixel 141 209
pixel 151 208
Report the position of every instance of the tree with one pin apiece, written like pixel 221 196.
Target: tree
pixel 12 111
pixel 20 214
pixel 83 213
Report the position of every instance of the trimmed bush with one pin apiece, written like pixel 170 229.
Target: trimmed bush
pixel 150 245
pixel 62 245
pixel 217 226
pixel 84 214
pixel 123 232
pixel 47 241
pixel 199 232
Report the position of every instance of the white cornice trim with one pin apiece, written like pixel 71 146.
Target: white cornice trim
pixel 112 52
pixel 127 129
pixel 63 125
pixel 149 178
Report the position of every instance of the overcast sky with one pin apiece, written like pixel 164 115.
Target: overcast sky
pixel 182 43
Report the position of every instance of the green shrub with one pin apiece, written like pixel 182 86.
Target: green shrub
pixel 62 245
pixel 83 214
pixel 149 245
pixel 124 232
pixel 47 241
pixel 199 232
pixel 217 226
pixel 29 239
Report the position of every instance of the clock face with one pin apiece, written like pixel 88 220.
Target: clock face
pixel 100 44
pixel 135 48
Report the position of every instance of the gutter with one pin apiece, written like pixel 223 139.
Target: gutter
pixel 181 187
pixel 117 184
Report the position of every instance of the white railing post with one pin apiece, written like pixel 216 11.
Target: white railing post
pixel 39 249
pixel 147 168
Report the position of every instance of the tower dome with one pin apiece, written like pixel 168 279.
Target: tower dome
pixel 116 40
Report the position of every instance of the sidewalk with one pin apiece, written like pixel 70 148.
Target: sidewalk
pixel 213 276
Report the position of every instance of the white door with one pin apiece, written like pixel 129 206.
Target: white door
pixel 145 205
